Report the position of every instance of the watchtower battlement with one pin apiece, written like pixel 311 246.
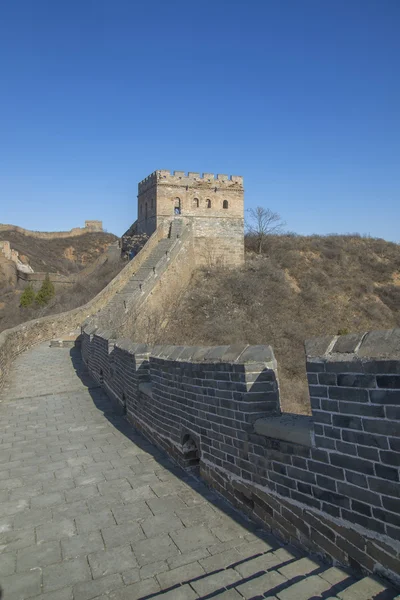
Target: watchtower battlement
pixel 213 203
pixel 166 177
pixel 94 225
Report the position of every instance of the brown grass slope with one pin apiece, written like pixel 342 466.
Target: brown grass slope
pixel 60 255
pixel 299 288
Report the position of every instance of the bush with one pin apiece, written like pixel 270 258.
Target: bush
pixel 27 297
pixel 46 292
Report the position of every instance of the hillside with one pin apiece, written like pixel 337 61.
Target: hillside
pixel 85 257
pixel 299 288
pixel 59 255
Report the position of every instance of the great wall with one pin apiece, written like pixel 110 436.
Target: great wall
pixel 25 273
pixel 328 484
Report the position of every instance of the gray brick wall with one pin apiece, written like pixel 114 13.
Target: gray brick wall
pixel 336 493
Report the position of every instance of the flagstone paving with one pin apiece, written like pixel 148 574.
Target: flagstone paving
pixel 90 509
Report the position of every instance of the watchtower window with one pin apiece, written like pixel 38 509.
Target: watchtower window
pixel 225 204
pixel 177 206
pixel 196 203
pixel 208 202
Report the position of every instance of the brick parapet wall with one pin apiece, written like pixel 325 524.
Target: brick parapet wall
pixel 341 502
pixel 159 286
pixel 18 339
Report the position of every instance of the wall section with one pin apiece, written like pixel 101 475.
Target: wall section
pixel 333 491
pixel 18 339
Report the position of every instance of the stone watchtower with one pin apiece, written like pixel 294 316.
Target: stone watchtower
pixel 213 204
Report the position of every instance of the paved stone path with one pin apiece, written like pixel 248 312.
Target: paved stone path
pixel 89 509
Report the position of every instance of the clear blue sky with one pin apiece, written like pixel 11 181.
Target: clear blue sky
pixel 301 97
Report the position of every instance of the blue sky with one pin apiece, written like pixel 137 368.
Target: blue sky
pixel 301 97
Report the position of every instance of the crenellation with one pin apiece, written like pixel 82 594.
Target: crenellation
pixel 213 203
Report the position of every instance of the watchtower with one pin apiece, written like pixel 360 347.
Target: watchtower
pixel 214 205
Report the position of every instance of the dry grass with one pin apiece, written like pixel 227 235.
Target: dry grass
pixel 60 255
pixel 299 288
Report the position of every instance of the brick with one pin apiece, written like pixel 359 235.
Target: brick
pixel 326 469
pixel 301 567
pixel 136 591
pixel 38 556
pixel 392 504
pixel 65 574
pixel 382 486
pixel 356 380
pixel 362 590
pixel 95 521
pixel 357 493
pixel 318 391
pixel 154 549
pixel 352 463
pixel 348 394
pixel 82 544
pixel 193 537
pixel 261 585
pixel 388 381
pixel 327 378
pixel 118 535
pixel 386 397
pixel 365 439
pixel 91 589
pixel 110 561
pixel 313 586
pixel 217 581
pixel 356 479
pixel 21 585
pixel 7 563
pixel 332 497
pixel 179 575
pixel 387 472
pixel 366 410
pixel 381 427
pixel 182 593
pixel 347 422
pixel 386 517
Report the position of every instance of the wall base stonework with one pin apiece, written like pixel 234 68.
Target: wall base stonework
pixel 334 541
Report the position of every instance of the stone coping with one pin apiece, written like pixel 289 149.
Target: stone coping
pixel 379 344
pixel 235 353
pixel 296 429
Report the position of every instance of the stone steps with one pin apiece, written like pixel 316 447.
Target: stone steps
pixel 277 575
pixel 148 267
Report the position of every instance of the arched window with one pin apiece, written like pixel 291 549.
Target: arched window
pixel 145 211
pixel 152 203
pixel 196 203
pixel 191 454
pixel 177 206
pixel 225 204
pixel 208 203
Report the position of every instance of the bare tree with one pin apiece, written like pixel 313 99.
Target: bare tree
pixel 262 222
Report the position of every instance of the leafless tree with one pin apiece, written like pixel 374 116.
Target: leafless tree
pixel 262 222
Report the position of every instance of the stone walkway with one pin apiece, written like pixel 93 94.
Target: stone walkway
pixel 89 509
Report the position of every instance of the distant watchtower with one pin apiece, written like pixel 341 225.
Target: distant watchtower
pixel 214 204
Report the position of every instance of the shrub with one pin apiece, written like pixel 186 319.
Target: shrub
pixel 27 297
pixel 46 292
pixel 343 331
